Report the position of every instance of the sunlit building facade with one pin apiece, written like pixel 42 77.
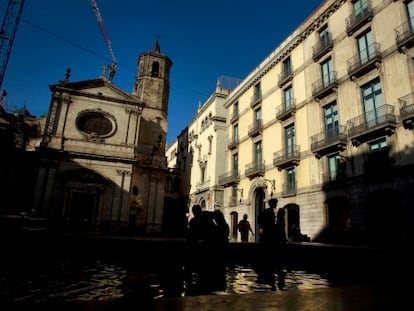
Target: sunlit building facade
pixel 324 123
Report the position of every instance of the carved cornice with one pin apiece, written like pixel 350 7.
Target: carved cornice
pixel 127 172
pixel 284 51
pixel 134 110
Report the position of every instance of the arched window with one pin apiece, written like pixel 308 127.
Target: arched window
pixel 155 69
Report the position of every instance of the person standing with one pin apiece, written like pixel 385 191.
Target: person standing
pixel 201 227
pixel 244 229
pixel 280 226
pixel 267 222
pixel 222 229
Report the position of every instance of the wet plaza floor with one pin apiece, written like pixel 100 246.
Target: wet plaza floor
pixel 75 280
pixel 101 286
pixel 385 296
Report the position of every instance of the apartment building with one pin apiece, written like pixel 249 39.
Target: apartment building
pixel 207 136
pixel 196 157
pixel 323 123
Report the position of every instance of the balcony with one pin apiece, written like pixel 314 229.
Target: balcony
pixel 407 110
pixel 233 143
pixel 229 179
pixel 203 185
pixel 254 169
pixel 285 77
pixel 256 128
pixel 356 21
pixel 233 201
pixel 404 35
pixel 324 46
pixel 234 117
pixel 364 61
pixel 285 111
pixel 329 141
pixel 255 100
pixel 286 158
pixel 289 190
pixel 371 125
pixel 325 85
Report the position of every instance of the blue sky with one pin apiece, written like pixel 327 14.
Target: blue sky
pixel 205 39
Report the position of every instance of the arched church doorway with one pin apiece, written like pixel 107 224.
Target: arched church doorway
pixel 259 206
pixel 81 206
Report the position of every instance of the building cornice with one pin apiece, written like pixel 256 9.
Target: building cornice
pixel 283 50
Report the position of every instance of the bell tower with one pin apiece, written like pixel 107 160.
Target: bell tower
pixel 151 88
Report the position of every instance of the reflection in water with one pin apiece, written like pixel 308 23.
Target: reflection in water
pixel 100 282
pixel 65 281
pixel 245 280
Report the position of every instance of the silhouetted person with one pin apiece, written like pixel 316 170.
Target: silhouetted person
pixel 267 222
pixel 201 226
pixel 199 229
pixel 221 230
pixel 207 258
pixel 280 226
pixel 212 274
pixel 245 228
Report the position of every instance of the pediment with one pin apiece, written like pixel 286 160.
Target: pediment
pixel 95 88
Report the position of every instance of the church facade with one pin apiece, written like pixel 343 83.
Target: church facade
pixel 102 163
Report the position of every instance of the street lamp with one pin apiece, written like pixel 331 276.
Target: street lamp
pixel 272 182
pixel 241 193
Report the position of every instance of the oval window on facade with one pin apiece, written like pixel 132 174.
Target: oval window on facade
pixel 96 123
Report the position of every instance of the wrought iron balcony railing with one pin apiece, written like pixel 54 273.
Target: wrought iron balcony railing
pixel 254 169
pixel 286 110
pixel 256 128
pixel 289 189
pixel 229 179
pixel 334 139
pixel 407 110
pixel 324 86
pixel 234 117
pixel 404 35
pixel 286 157
pixel 233 143
pixel 255 100
pixel 285 77
pixel 365 60
pixel 324 45
pixel 359 18
pixel 375 123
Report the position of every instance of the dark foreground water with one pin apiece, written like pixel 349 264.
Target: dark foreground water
pixel 98 273
pixel 89 283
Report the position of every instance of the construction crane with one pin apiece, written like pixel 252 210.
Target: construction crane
pixel 7 33
pixel 112 68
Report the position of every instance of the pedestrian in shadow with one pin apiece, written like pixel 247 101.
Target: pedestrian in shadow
pixel 208 234
pixel 244 229
pixel 221 230
pixel 199 231
pixel 201 226
pixel 267 222
pixel 219 243
pixel 280 226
